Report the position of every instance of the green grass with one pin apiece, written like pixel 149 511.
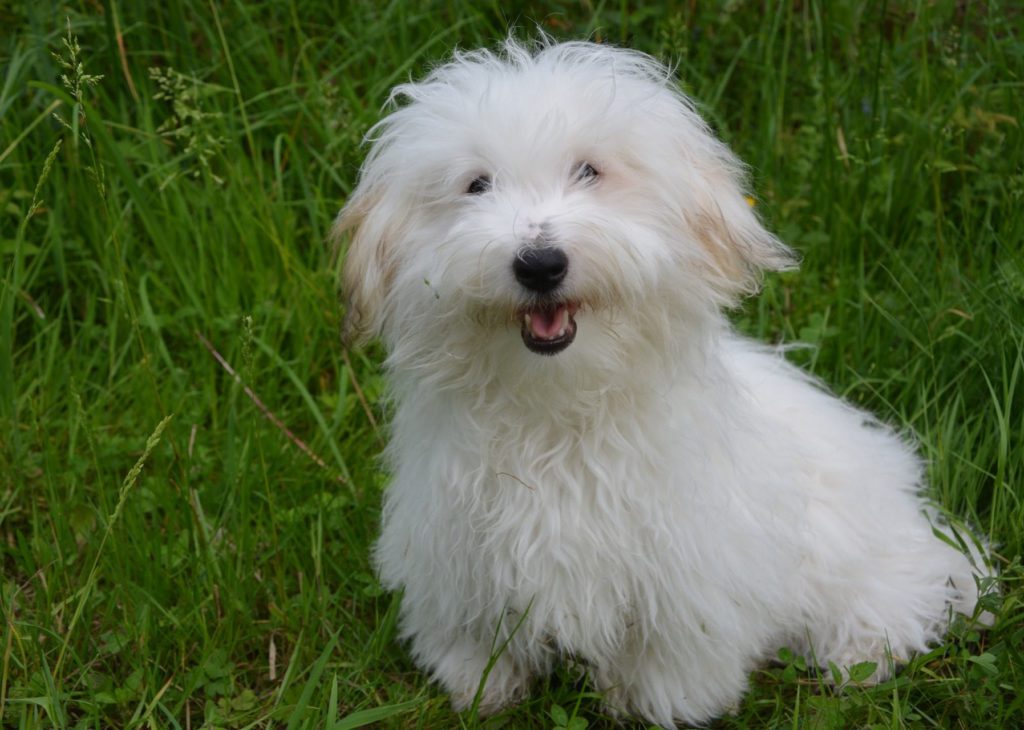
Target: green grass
pixel 205 570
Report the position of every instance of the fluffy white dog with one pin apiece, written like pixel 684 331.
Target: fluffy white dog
pixel 586 460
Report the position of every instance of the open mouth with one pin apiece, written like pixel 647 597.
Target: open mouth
pixel 549 329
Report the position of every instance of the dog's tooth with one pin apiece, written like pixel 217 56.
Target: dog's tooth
pixel 565 320
pixel 526 319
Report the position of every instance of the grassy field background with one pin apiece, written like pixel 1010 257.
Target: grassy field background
pixel 171 557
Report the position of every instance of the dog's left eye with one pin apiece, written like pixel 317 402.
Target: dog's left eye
pixel 479 185
pixel 586 172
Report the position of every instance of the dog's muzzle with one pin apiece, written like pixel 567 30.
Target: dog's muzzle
pixel 548 326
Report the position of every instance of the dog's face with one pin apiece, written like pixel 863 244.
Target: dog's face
pixel 542 202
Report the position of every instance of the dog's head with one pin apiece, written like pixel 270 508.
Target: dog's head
pixel 545 200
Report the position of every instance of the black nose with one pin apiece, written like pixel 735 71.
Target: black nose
pixel 540 269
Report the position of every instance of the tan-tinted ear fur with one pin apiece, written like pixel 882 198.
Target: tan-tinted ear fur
pixel 368 268
pixel 739 248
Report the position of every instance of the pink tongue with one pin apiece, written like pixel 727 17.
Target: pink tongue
pixel 545 324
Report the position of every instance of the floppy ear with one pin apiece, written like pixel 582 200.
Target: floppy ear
pixel 738 247
pixel 369 268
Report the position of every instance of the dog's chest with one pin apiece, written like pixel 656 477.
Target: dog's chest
pixel 565 523
pixel 567 535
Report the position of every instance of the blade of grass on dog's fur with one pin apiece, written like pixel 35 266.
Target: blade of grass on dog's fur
pixel 498 647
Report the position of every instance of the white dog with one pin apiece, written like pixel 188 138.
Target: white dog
pixel 586 460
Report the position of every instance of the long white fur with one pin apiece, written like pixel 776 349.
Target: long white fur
pixel 664 501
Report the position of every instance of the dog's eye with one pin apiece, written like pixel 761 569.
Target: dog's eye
pixel 479 185
pixel 586 172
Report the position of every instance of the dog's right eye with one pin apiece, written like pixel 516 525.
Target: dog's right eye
pixel 479 185
pixel 586 172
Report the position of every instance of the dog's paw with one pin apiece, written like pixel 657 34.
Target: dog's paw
pixel 493 697
pixel 461 670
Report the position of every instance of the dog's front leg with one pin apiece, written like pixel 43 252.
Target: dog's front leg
pixel 687 679
pixel 460 662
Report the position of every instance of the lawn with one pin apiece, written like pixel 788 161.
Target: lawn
pixel 189 474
